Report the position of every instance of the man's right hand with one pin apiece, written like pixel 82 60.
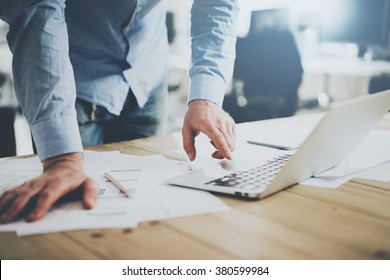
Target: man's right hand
pixel 61 175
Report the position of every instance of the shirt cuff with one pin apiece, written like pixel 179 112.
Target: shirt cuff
pixel 56 136
pixel 207 87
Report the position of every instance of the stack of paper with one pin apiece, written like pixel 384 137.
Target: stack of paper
pixel 150 199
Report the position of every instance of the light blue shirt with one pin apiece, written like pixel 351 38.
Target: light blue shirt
pixel 98 49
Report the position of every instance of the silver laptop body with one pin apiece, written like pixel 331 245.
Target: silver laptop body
pixel 337 134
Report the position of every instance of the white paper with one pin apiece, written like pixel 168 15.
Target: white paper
pixel 107 213
pixel 378 173
pixel 329 183
pixel 372 152
pixel 156 200
pixel 25 164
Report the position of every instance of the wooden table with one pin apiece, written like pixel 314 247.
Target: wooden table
pixel 302 222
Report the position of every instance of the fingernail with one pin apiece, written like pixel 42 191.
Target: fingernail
pixel 30 217
pixel 189 155
pixel 92 201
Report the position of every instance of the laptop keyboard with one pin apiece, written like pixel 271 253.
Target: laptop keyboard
pixel 253 178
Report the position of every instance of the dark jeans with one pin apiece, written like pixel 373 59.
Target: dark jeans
pixel 7 132
pixel 98 126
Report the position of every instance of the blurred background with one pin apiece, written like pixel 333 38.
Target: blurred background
pixel 293 57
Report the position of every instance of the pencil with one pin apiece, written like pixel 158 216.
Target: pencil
pixel 280 147
pixel 116 184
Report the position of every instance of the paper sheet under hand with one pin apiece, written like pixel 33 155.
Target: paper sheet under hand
pixel 14 172
pixel 108 213
pixel 112 210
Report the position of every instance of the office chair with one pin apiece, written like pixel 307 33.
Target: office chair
pixel 7 131
pixel 267 75
pixel 379 83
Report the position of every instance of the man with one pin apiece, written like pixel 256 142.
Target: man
pixel 110 56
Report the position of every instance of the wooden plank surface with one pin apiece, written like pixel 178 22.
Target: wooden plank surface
pixel 148 241
pixel 41 247
pixel 302 222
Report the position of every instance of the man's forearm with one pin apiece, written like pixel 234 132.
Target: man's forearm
pixel 213 38
pixel 43 76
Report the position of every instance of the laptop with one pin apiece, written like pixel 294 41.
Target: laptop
pixel 338 133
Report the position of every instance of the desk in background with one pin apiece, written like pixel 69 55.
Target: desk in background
pixel 302 222
pixel 341 78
